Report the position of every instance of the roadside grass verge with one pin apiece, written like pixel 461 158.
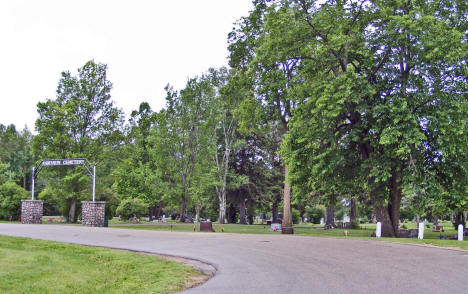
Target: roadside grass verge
pixel 36 266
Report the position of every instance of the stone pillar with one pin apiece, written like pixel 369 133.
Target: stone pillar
pixel 92 213
pixel 31 211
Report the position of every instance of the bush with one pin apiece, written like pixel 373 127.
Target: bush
pixel 10 200
pixel 315 214
pixel 404 227
pixel 295 216
pixel 355 225
pixel 131 207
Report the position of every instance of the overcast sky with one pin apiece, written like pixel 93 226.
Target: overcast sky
pixel 146 45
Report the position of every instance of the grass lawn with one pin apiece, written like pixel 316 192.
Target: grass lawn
pixel 430 238
pixel 35 266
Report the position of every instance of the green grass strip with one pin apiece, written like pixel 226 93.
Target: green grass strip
pixel 35 266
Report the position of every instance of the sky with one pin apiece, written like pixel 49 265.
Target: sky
pixel 146 45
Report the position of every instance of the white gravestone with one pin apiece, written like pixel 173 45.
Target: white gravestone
pixel 460 232
pixel 378 230
pixel 421 231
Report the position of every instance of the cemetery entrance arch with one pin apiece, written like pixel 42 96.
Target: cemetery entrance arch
pixel 92 211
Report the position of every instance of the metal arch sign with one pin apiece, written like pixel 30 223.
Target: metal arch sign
pixel 91 169
pixel 62 162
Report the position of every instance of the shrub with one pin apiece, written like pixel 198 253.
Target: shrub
pixel 404 227
pixel 131 207
pixel 295 216
pixel 355 225
pixel 315 214
pixel 10 200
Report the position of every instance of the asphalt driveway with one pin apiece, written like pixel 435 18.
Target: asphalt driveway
pixel 283 264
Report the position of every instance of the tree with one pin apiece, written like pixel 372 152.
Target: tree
pixel 225 137
pixel 10 200
pixel 272 74
pixel 132 207
pixel 381 81
pixel 183 137
pixel 17 153
pixel 81 122
pixel 137 174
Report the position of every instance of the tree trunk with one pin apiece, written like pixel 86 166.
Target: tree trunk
pixel 435 219
pixel 394 207
pixel 389 215
pixel 330 215
pixel 459 220
pixel 274 209
pixel 287 226
pixel 72 211
pixel 242 212
pixel 301 214
pixel 222 210
pixel 158 211
pixel 183 210
pixel 383 216
pixel 231 214
pixel 197 213
pixel 352 210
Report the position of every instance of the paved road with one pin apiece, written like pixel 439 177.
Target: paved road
pixel 284 264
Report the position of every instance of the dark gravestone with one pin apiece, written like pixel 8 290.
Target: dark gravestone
pixel 206 227
pixel 412 233
pixel 438 228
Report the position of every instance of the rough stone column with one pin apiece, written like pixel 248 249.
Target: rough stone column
pixel 31 211
pixel 92 213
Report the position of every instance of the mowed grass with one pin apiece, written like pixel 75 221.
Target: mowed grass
pixel 430 238
pixel 35 266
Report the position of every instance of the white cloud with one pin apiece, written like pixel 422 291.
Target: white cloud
pixel 146 45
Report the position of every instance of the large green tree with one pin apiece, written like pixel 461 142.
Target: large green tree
pixel 272 76
pixel 16 152
pixel 82 122
pixel 139 174
pixel 183 137
pixel 383 86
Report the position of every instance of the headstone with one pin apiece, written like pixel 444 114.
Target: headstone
pixel 413 233
pixel 206 226
pixel 402 233
pixel 275 227
pixel 437 228
pixel 421 231
pixel 378 230
pixel 460 232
